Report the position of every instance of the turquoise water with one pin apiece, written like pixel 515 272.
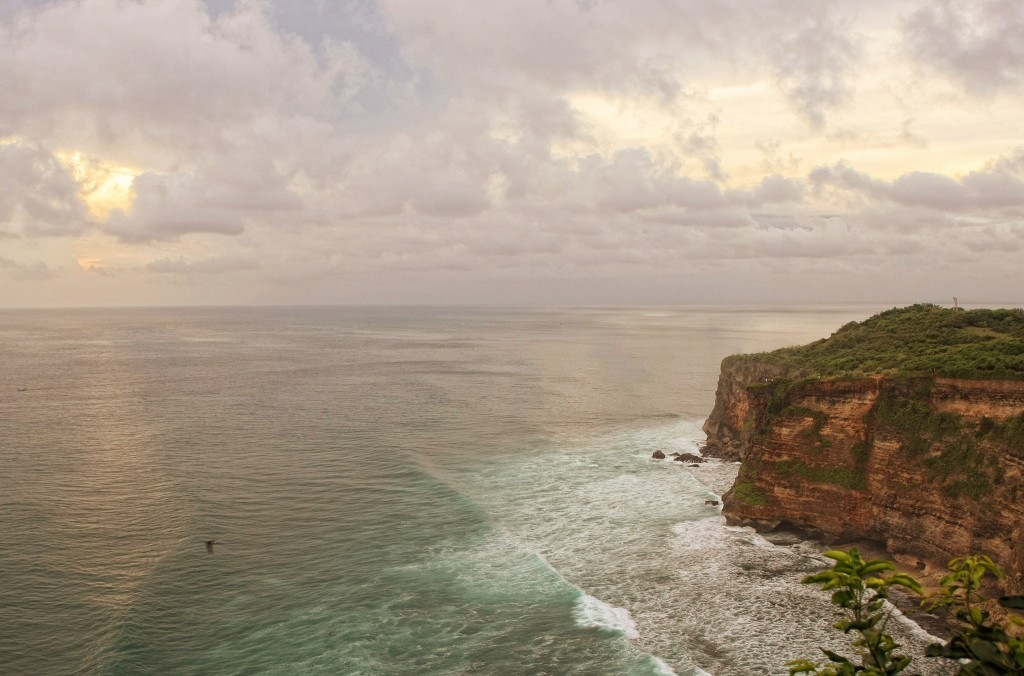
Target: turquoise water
pixel 394 490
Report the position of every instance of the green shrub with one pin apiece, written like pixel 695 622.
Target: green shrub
pixel 980 645
pixel 860 589
pixel 919 339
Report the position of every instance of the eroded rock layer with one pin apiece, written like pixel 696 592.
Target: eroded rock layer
pixel 931 467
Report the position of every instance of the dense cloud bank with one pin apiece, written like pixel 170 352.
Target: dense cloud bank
pixel 182 151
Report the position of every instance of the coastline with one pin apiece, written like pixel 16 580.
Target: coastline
pixel 926 627
pixel 924 458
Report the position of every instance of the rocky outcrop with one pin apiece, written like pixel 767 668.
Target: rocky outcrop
pixel 731 421
pixel 933 468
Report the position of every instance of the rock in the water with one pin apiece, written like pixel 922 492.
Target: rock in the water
pixel 713 503
pixel 689 457
pixel 658 455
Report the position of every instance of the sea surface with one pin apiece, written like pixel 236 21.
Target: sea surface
pixel 392 490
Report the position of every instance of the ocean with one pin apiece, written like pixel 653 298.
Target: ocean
pixel 392 491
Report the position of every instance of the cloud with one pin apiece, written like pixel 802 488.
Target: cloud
pixel 444 174
pixel 388 143
pixel 147 75
pixel 38 194
pixel 205 266
pixel 988 191
pixel 922 188
pixel 34 271
pixel 976 43
pixel 774 189
pixel 993 189
pixel 813 67
pixel 557 45
pixel 219 196
pixel 632 181
pixel 1010 164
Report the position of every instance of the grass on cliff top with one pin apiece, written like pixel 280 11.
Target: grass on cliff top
pixel 919 339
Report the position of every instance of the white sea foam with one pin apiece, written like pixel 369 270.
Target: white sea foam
pixel 660 668
pixel 593 613
pixel 635 533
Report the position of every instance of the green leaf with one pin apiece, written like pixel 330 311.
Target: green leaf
pixel 842 598
pixel 801 667
pixel 836 555
pixel 860 625
pixel 904 580
pixel 836 657
pixel 939 650
pixel 984 651
pixel 823 576
pixel 876 567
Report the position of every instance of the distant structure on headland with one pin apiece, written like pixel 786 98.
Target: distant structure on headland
pixel 956 300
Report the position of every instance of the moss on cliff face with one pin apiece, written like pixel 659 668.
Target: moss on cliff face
pixel 748 494
pixel 959 455
pixel 1010 432
pixel 846 477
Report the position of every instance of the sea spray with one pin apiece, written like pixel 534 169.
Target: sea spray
pixel 637 533
pixel 593 613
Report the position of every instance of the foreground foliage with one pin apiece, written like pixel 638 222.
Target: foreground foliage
pixel 861 588
pixel 982 645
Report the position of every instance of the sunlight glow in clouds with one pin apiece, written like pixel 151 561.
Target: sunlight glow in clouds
pixel 103 187
pixel 614 123
pixel 90 264
pixel 519 151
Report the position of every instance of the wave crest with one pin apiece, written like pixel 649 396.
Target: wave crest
pixel 593 613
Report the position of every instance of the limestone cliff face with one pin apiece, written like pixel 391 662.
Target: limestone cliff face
pixel 932 468
pixel 731 421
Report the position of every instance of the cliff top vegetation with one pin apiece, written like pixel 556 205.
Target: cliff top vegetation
pixel 921 339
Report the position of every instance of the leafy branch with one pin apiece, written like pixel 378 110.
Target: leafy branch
pixel 861 589
pixel 981 644
pixel 985 646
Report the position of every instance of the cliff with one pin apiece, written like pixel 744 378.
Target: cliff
pixel 730 424
pixel 930 466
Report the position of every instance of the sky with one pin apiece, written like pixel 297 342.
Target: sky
pixel 512 152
